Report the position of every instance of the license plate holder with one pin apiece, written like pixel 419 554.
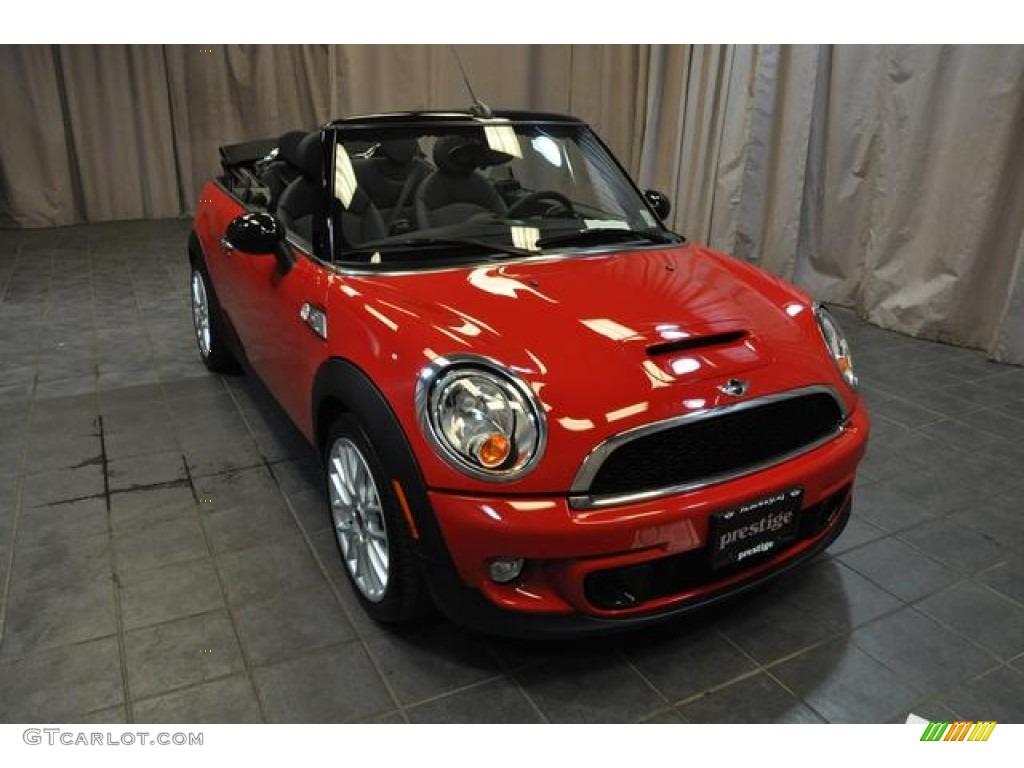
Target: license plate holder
pixel 754 529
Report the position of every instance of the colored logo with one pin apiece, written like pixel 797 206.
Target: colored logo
pixel 958 731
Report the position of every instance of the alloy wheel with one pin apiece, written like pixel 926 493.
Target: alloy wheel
pixel 201 313
pixel 358 519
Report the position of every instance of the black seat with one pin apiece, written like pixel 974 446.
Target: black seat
pixel 300 200
pixel 391 178
pixel 285 167
pixel 456 191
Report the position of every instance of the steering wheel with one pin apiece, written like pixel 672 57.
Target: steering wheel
pixel 545 194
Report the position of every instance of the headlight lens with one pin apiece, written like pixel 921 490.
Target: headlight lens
pixel 485 421
pixel 835 342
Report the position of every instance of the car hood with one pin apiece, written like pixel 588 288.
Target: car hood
pixel 609 341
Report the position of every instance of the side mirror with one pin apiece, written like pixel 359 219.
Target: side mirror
pixel 659 202
pixel 261 234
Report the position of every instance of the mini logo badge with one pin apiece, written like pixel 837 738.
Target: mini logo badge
pixel 734 388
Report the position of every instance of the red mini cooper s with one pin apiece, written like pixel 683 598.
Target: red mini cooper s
pixel 537 408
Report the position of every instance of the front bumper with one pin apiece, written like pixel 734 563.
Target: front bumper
pixel 569 551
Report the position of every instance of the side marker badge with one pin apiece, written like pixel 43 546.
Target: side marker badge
pixel 734 387
pixel 315 318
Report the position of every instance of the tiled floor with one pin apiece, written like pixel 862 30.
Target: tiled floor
pixel 165 555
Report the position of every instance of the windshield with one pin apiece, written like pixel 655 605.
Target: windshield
pixel 411 196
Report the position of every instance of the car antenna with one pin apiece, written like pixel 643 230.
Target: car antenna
pixel 479 109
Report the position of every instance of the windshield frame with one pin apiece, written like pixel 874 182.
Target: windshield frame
pixel 356 128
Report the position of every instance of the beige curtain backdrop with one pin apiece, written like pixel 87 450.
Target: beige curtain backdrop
pixel 886 178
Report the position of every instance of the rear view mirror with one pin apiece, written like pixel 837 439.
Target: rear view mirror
pixel 659 202
pixel 261 234
pixel 255 233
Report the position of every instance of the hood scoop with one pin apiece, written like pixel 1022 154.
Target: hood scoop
pixel 695 342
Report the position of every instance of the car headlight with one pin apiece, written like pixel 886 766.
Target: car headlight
pixel 484 420
pixel 835 342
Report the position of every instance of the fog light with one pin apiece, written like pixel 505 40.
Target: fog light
pixel 506 569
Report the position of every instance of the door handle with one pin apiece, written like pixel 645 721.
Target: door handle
pixel 226 245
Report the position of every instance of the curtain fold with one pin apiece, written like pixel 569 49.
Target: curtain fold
pixel 886 178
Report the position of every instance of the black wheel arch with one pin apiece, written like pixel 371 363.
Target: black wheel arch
pixel 340 386
pixel 196 255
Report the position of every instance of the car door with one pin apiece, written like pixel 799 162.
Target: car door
pixel 275 313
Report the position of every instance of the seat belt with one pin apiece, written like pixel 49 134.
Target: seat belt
pixel 403 195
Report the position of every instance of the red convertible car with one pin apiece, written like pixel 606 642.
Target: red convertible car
pixel 538 408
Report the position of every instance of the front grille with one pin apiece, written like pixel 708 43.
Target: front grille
pixel 717 445
pixel 634 585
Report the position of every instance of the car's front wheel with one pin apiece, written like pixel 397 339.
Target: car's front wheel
pixel 372 534
pixel 209 328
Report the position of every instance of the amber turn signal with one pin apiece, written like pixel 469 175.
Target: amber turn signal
pixel 493 450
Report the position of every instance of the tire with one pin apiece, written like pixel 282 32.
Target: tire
pixel 365 531
pixel 209 325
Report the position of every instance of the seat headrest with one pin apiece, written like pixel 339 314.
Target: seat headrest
pixel 445 159
pixel 288 147
pixel 310 156
pixel 400 151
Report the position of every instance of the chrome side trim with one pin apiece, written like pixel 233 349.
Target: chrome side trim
pixel 579 497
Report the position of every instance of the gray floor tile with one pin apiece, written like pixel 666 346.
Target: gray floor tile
pixel 838 596
pixel 241 528
pixel 171 592
pixel 55 686
pixel 311 510
pixel 683 663
pixel 769 625
pixel 61 565
pixel 131 510
pixel 292 624
pixel 756 699
pixel 981 614
pixel 37 621
pixel 931 657
pixel 590 688
pixel 159 544
pixel 856 533
pixel 934 493
pixel 64 453
pixel 180 653
pixel 210 458
pixel 997 695
pixel 156 438
pixel 294 476
pixel 668 717
pixel 426 661
pixel 336 685
pixel 63 523
pixel 845 685
pixel 244 489
pixel 956 545
pixel 1007 578
pixel 110 716
pixel 999 518
pixel 899 568
pixel 263 572
pixel 63 485
pixel 230 700
pixel 887 508
pixel 142 471
pixel 497 701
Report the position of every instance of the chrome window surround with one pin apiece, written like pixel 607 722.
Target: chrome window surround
pixel 579 498
pixel 430 374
